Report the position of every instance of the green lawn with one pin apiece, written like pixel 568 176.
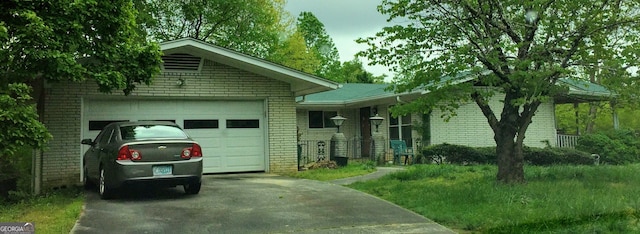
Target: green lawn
pixel 352 169
pixel 55 212
pixel 557 199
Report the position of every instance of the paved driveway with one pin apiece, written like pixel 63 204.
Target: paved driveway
pixel 250 203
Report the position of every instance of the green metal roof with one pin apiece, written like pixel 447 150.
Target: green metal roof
pixel 349 92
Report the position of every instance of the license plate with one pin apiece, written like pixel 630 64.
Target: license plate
pixel 162 170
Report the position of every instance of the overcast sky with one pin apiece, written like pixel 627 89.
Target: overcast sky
pixel 345 21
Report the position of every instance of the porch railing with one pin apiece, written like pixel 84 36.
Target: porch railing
pixel 567 141
pixel 357 148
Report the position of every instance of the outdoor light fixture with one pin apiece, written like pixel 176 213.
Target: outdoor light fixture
pixel 338 120
pixel 181 82
pixel 376 120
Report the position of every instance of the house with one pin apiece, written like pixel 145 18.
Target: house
pixel 359 102
pixel 240 108
pixel 245 111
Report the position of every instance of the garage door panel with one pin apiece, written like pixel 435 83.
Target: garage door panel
pixel 225 149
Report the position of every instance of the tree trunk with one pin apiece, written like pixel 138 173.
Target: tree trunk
pixel 510 159
pixel 591 118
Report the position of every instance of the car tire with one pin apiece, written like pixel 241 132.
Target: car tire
pixel 192 188
pixel 104 190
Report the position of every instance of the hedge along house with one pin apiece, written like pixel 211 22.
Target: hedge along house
pixel 241 109
pixel 359 102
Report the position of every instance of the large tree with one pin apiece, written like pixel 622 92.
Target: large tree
pixel 517 49
pixel 249 26
pixel 51 41
pixel 318 40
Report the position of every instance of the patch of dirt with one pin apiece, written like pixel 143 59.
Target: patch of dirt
pixel 323 164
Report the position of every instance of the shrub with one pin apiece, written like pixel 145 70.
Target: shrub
pixel 614 147
pixel 464 155
pixel 456 154
pixel 15 174
pixel 553 156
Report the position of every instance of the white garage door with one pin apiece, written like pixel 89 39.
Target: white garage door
pixel 231 133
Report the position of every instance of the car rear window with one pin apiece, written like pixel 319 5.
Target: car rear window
pixel 140 132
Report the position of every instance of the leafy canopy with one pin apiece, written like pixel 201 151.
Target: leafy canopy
pixel 53 41
pixel 525 46
pixel 517 48
pixel 249 26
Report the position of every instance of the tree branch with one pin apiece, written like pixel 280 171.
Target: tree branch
pixel 486 110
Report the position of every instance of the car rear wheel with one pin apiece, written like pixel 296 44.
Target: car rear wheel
pixel 104 190
pixel 192 188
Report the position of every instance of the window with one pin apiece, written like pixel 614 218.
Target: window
pixel 138 132
pixel 400 129
pixel 243 123
pixel 105 136
pixel 200 123
pixel 321 119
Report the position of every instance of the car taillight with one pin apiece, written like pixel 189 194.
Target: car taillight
pixel 193 151
pixel 196 151
pixel 128 154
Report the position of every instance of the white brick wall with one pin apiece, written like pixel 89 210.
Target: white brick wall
pixel 61 159
pixel 471 128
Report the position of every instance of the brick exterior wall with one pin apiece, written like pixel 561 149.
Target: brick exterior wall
pixel 63 111
pixel 470 127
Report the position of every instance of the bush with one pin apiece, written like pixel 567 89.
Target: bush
pixel 554 156
pixel 15 174
pixel 456 154
pixel 614 147
pixel 464 155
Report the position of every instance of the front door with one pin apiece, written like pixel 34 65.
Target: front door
pixel 365 131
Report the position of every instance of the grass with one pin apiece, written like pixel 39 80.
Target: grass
pixel 55 212
pixel 556 199
pixel 324 174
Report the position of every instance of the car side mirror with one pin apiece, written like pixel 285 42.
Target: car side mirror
pixel 87 142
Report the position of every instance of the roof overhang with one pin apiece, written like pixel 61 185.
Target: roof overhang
pixel 301 83
pixel 580 91
pixel 389 98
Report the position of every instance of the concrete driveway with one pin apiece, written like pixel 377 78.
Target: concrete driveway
pixel 250 203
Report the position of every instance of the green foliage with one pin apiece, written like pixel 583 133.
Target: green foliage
pixel 518 48
pixel 465 155
pixel 556 199
pixel 252 27
pixel 317 39
pixel 52 212
pixel 457 154
pixel 295 54
pixel 20 126
pixel 324 174
pixel 556 156
pixel 566 118
pixel 614 147
pixel 51 41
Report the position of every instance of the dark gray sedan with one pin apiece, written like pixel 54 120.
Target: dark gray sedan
pixel 149 152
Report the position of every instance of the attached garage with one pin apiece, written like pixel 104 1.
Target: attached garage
pixel 241 109
pixel 232 133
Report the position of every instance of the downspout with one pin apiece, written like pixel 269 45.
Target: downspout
pixel 400 101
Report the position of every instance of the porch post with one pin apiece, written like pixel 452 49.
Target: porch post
pixel 378 147
pixel 338 147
